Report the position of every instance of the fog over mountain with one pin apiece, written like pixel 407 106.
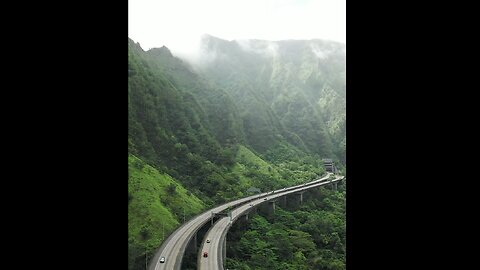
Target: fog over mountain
pixel 301 82
pixel 231 115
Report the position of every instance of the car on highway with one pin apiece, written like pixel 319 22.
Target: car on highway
pixel 208 240
pixel 205 254
pixel 162 260
pixel 265 199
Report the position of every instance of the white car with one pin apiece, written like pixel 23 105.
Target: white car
pixel 208 240
pixel 162 260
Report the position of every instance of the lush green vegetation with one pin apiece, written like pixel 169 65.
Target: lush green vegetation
pixel 199 136
pixel 187 127
pixel 285 91
pixel 167 128
pixel 157 204
pixel 311 236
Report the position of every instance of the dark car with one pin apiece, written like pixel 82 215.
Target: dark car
pixel 162 260
pixel 205 254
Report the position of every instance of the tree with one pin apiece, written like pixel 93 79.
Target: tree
pixel 172 188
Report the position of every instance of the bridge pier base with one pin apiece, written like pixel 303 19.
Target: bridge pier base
pixel 341 183
pixel 195 242
pixel 283 201
pixel 271 207
pixel 192 245
pixel 224 250
pixel 300 197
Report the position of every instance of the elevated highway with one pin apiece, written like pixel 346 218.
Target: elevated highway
pixel 173 248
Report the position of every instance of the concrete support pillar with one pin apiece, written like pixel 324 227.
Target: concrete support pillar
pixel 195 243
pixel 192 245
pixel 300 197
pixel 296 199
pixel 335 186
pixel 283 201
pixel 271 205
pixel 243 221
pixel 224 250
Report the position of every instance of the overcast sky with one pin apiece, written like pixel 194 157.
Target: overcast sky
pixel 178 24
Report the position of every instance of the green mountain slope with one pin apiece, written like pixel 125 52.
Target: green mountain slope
pixel 192 129
pixel 221 115
pixel 156 206
pixel 253 171
pixel 202 135
pixel 290 90
pixel 170 130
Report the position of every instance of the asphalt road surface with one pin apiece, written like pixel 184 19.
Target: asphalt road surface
pixel 217 233
pixel 173 248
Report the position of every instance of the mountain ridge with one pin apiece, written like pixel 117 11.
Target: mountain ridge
pixel 216 130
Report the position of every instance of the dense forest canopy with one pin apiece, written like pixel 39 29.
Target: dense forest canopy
pixel 294 88
pixel 247 113
pixel 297 237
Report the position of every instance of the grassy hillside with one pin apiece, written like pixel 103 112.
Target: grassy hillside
pixel 253 171
pixel 280 168
pixel 194 130
pixel 156 203
pixel 197 139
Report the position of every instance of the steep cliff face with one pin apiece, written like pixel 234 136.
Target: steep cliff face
pixel 293 89
pixel 246 114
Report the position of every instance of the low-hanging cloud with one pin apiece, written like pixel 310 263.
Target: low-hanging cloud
pixel 322 54
pixel 261 47
pixel 179 24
